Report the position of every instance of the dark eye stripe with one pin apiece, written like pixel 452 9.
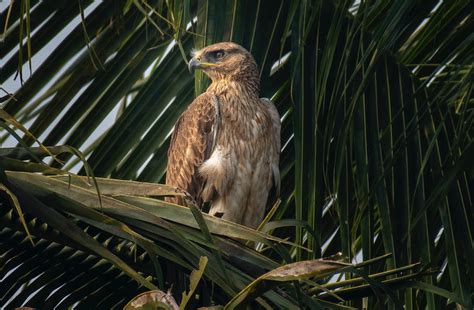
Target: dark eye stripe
pixel 214 53
pixel 217 54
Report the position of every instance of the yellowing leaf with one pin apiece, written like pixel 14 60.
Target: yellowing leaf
pixel 17 206
pixel 295 271
pixel 193 281
pixel 152 300
pixel 304 270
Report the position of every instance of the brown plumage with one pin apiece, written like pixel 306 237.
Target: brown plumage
pixel 225 147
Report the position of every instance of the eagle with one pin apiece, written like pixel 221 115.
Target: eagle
pixel 225 146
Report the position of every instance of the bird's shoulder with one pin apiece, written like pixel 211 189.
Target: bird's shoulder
pixel 274 118
pixel 197 119
pixel 270 107
pixel 203 104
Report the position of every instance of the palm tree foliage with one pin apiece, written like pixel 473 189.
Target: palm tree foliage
pixel 376 106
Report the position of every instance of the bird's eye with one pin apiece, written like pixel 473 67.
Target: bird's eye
pixel 219 54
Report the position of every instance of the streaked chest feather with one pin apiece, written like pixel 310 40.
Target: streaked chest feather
pixel 242 140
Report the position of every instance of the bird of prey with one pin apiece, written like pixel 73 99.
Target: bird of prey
pixel 225 147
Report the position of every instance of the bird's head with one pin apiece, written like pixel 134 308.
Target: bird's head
pixel 225 60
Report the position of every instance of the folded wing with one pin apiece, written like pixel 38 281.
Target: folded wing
pixel 192 143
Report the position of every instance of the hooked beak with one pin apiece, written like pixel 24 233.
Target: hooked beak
pixel 196 63
pixel 193 64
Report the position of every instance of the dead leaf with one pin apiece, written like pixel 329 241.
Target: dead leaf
pixel 152 300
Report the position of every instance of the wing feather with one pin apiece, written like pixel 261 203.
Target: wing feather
pixel 275 151
pixel 191 144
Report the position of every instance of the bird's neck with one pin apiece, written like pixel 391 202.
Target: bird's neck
pixel 247 87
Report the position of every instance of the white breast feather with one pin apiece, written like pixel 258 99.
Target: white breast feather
pixel 213 165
